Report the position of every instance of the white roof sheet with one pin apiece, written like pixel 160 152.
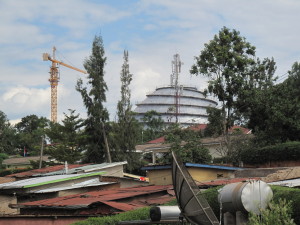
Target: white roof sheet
pixel 84 169
pixel 89 183
pixel 44 180
pixel 287 183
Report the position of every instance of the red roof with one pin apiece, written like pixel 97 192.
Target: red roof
pixel 158 140
pixel 44 170
pixel 108 200
pixel 199 127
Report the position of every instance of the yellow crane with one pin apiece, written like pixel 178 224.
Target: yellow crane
pixel 54 79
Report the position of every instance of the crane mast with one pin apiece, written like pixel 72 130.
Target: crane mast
pixel 54 79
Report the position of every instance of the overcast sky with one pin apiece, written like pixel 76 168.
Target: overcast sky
pixel 151 30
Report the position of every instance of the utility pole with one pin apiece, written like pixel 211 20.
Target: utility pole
pixel 42 152
pixel 106 143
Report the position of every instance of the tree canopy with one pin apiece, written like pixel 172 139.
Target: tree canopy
pixel 275 112
pixel 126 130
pixel 93 99
pixel 7 135
pixel 66 139
pixel 30 131
pixel 230 63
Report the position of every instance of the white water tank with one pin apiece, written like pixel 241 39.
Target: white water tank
pixel 250 196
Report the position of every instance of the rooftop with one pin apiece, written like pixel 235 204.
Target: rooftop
pixel 108 201
pixel 34 182
pixel 159 167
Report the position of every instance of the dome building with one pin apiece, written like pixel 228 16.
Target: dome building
pixel 176 103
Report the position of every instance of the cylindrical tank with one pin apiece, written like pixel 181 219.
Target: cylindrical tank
pixel 159 213
pixel 250 196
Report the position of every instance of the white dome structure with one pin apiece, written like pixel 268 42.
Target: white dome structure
pixel 185 105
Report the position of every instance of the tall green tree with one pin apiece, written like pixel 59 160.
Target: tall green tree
pixel 93 99
pixel 30 132
pixel 186 143
pixel 230 63
pixel 215 122
pixel 235 74
pixel 127 127
pixel 275 112
pixel 153 125
pixel 66 139
pixel 7 135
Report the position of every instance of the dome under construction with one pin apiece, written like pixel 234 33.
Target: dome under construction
pixel 176 103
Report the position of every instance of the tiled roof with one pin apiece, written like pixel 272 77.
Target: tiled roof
pixel 158 140
pixel 113 198
pixel 199 127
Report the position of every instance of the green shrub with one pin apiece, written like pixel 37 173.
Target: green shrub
pixel 291 195
pixel 277 214
pixel 279 152
pixel 138 214
pixel 5 172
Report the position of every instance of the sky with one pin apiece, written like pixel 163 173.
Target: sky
pixel 152 31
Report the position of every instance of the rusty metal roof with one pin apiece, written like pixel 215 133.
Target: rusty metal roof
pixel 122 199
pixel 45 170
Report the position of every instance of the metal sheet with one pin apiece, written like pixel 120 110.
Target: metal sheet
pixel 194 207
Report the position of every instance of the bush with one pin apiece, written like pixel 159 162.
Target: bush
pixel 277 214
pixel 279 152
pixel 138 214
pixel 12 171
pixel 291 195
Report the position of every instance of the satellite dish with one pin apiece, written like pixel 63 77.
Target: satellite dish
pixel 193 206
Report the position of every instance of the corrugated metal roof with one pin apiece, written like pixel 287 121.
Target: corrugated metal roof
pixel 159 167
pixel 32 182
pixel 44 170
pixel 287 183
pixel 88 183
pixel 107 197
pixel 85 169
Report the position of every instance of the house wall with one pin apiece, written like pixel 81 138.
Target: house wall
pixel 4 206
pixel 7 179
pixel 116 171
pixel 50 220
pixel 164 177
pixel 160 177
pixel 87 189
pixel 206 174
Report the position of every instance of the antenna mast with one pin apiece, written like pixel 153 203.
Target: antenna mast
pixel 176 69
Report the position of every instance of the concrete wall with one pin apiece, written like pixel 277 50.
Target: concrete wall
pixel 7 179
pixel 33 220
pixel 87 189
pixel 4 206
pixel 206 174
pixel 160 177
pixel 257 172
pixel 164 177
